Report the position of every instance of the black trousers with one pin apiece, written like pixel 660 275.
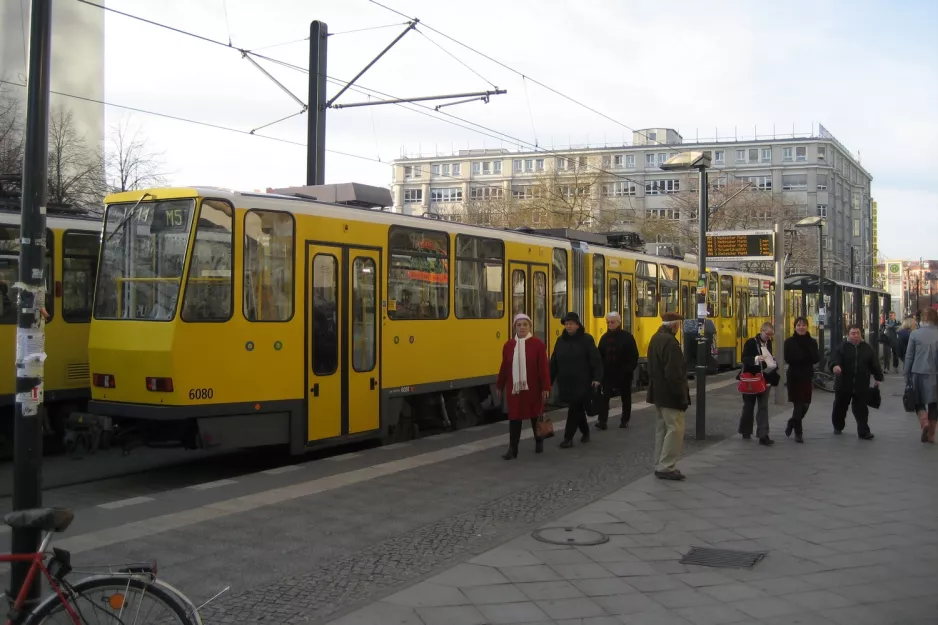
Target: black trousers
pixel 576 420
pixel 799 410
pixel 514 431
pixel 625 394
pixel 861 412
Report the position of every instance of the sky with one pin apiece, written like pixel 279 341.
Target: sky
pixel 865 70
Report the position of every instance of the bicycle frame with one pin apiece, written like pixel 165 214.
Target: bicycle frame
pixel 38 564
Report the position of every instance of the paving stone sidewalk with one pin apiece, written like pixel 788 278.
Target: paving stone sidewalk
pixel 850 529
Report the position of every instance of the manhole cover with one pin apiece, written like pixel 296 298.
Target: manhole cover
pixel 576 536
pixel 726 558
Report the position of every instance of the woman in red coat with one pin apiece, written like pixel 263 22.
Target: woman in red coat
pixel 525 376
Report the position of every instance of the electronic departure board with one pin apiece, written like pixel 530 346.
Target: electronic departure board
pixel 741 245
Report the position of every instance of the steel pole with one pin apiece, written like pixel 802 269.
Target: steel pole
pixel 820 290
pixel 780 325
pixel 316 124
pixel 31 295
pixel 700 432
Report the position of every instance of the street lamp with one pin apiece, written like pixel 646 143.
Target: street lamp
pixel 819 223
pixel 700 161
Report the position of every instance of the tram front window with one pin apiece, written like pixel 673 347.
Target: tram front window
pixel 143 253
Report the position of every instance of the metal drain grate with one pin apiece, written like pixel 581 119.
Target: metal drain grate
pixel 724 558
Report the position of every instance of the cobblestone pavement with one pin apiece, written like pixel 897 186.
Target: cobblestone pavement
pixel 570 480
pixel 848 528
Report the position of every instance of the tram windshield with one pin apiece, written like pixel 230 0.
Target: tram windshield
pixel 143 253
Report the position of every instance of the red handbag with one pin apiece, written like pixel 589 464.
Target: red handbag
pixel 751 384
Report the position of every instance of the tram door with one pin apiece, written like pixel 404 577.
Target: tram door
pixel 343 295
pixel 530 295
pixel 742 321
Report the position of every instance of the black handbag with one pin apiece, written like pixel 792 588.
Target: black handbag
pixel 908 396
pixel 874 398
pixel 593 399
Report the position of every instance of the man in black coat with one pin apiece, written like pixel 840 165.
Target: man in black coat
pixel 620 357
pixel 669 393
pixel 854 363
pixel 577 368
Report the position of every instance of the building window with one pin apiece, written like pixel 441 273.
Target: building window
pixel 79 267
pixel 787 155
pixel 497 167
pixel 445 194
pixel 412 171
pixel 660 187
pixel 618 161
pixel 649 160
pixel 618 189
pixel 268 266
pixel 480 273
pixel 435 169
pixel 517 165
pixel 795 182
pixel 822 152
pixel 630 161
pixel 760 183
pixel 662 157
pixel 822 182
pixel 607 161
pixel 856 227
pixel 208 294
pixel 766 155
pixel 477 168
pixel 672 214
pixel 446 169
pixel 822 210
pixel 740 156
pixel 719 156
pixel 486 168
pixel 652 136
pixel 539 164
pixel 528 165
pixel 754 155
pixel 456 169
pixel 486 193
pixel 413 196
pixel 523 192
pixel 418 274
pixel 801 154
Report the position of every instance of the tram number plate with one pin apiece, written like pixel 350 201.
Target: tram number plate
pixel 201 393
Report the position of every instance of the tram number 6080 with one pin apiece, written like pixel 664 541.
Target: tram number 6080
pixel 201 393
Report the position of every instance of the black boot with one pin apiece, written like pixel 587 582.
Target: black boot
pixel 511 454
pixel 566 444
pixel 602 425
pixel 789 428
pixel 538 445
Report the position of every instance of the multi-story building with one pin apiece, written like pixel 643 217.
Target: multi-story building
pixel 810 175
pixel 77 65
pixel 913 284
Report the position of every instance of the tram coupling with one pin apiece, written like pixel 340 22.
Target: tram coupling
pixel 87 433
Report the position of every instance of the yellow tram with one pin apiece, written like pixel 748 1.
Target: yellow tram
pixel 71 258
pixel 237 319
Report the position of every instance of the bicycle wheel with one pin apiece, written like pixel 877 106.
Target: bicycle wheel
pixel 113 600
pixel 824 381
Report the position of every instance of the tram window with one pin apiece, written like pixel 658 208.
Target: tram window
pixel 613 295
pixel 726 296
pixel 208 288
pixel 9 273
pixel 670 295
pixel 325 314
pixel 713 289
pixel 79 266
pixel 559 275
pixel 627 305
pixel 418 274
pixel 364 318
pixel 646 296
pixel 754 300
pixel 540 305
pixel 268 266
pixel 518 292
pixel 480 273
pixel 599 284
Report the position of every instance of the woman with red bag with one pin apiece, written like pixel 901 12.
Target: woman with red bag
pixel 758 363
pixel 525 376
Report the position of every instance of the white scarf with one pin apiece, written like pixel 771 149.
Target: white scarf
pixel 770 363
pixel 519 367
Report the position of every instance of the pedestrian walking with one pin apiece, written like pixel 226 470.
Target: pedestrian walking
pixel 801 354
pixel 620 357
pixel 889 341
pixel 669 393
pixel 758 358
pixel 577 368
pixel 525 376
pixel 921 370
pixel 854 363
pixel 902 337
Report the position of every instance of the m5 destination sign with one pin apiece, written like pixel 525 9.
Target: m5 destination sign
pixel 741 245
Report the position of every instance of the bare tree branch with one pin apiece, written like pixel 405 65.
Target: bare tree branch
pixel 130 164
pixel 76 172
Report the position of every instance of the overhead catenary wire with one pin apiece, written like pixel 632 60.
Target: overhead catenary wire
pixel 456 58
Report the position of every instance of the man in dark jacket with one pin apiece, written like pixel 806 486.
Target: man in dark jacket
pixel 853 363
pixel 620 357
pixel 668 391
pixel 576 367
pixel 889 338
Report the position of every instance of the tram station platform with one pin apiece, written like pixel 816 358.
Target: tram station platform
pixel 848 529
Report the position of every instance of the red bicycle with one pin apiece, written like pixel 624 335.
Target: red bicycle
pixel 129 594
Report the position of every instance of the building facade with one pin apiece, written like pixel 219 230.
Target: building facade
pixel 811 175
pixel 913 285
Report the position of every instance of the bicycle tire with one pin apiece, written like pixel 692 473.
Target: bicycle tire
pixel 51 605
pixel 824 382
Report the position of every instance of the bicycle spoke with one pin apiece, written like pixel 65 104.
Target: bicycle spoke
pixel 117 603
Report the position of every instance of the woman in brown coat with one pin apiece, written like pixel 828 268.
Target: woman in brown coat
pixel 525 374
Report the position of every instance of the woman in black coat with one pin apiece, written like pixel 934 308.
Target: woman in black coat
pixel 801 354
pixel 577 368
